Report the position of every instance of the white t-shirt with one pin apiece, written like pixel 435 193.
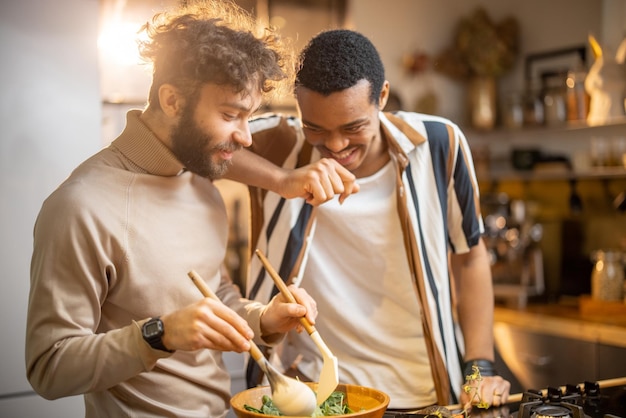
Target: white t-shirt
pixel 377 337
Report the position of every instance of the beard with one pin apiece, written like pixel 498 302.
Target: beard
pixel 194 148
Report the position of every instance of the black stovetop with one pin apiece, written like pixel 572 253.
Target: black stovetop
pixel 608 402
pixel 571 402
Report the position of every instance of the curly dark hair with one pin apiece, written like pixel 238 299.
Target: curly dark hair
pixel 213 41
pixel 337 59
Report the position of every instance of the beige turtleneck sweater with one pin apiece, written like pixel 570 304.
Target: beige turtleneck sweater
pixel 112 248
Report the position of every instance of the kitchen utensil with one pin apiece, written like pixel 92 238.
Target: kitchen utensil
pixel 365 402
pixel 329 376
pixel 620 200
pixel 575 201
pixel 291 397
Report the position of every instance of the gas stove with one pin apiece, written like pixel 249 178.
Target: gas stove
pixel 580 401
pixel 586 400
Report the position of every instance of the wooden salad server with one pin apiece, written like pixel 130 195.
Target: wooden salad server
pixel 291 397
pixel 329 376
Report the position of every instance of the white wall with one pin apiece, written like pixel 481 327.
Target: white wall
pixel 49 122
pixel 400 26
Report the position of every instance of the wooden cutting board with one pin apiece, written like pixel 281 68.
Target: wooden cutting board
pixel 592 307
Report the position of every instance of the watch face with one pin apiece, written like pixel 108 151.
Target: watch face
pixel 152 328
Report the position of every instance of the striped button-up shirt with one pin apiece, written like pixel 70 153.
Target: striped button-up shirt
pixel 438 208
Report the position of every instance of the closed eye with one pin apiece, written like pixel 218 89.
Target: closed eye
pixel 313 129
pixel 353 129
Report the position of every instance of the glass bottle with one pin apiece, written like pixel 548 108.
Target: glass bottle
pixel 577 97
pixel 513 114
pixel 554 98
pixel 607 277
pixel 533 104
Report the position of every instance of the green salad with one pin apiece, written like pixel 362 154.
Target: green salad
pixel 334 405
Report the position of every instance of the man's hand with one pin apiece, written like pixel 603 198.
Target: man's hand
pixel 491 390
pixel 281 316
pixel 211 324
pixel 318 182
pixel 206 324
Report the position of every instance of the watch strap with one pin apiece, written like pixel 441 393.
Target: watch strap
pixel 155 340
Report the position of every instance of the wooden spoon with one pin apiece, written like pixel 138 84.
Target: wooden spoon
pixel 329 376
pixel 292 397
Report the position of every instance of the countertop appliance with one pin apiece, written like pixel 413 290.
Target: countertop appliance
pixel 512 238
pixel 586 400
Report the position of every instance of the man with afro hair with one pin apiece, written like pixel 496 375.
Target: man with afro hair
pixel 395 261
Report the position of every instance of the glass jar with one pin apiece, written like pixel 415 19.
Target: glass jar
pixel 533 104
pixel 607 277
pixel 513 110
pixel 554 99
pixel 577 97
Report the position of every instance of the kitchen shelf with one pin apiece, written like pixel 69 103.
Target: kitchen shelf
pixel 604 173
pixel 495 148
pixel 544 129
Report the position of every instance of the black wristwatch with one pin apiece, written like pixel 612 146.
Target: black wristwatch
pixel 152 332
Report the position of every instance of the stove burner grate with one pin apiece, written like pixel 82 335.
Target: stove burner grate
pixel 553 411
pixel 555 404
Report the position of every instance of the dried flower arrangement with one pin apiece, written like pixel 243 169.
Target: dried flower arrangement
pixel 481 48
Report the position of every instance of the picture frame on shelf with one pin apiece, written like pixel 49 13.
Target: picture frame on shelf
pixel 542 64
pixel 557 79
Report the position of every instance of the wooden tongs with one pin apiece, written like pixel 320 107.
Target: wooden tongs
pixel 329 376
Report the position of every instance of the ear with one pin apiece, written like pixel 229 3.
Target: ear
pixel 620 56
pixel 171 100
pixel 595 47
pixel 384 95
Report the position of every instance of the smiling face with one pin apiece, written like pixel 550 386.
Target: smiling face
pixel 345 126
pixel 212 128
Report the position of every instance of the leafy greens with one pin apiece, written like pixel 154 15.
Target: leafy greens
pixel 334 405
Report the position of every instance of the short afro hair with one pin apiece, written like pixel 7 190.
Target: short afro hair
pixel 335 60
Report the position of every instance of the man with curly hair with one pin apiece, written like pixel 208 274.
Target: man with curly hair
pixel 399 270
pixel 112 313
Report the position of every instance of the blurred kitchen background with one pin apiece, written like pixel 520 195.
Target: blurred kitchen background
pixel 511 74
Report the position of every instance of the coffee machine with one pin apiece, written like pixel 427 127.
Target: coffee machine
pixel 512 238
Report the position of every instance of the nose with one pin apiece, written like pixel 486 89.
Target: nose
pixel 242 135
pixel 335 142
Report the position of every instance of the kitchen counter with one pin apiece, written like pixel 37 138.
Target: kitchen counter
pixel 567 320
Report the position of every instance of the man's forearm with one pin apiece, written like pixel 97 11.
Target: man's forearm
pixel 317 182
pixel 475 303
pixel 254 170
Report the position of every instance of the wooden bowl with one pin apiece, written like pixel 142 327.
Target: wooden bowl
pixel 365 402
